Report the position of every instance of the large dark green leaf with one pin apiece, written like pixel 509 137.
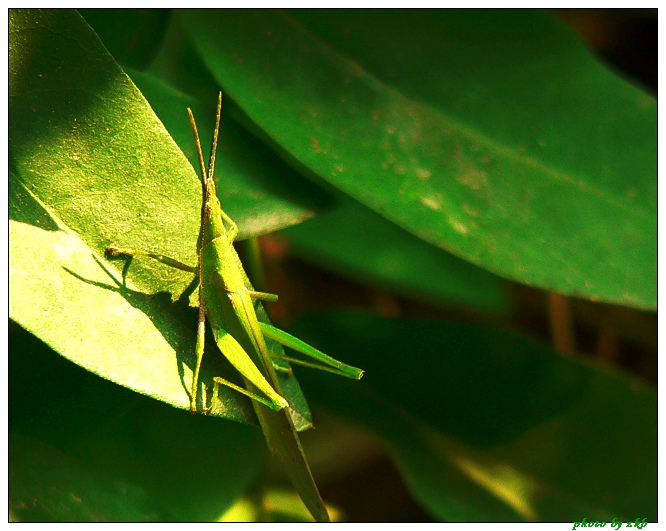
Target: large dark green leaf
pixel 86 449
pixel 488 426
pixel 492 134
pixel 90 164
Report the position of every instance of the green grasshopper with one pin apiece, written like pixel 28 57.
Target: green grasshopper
pixel 226 298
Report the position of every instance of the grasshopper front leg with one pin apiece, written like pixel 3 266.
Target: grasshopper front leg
pixel 199 350
pixel 115 251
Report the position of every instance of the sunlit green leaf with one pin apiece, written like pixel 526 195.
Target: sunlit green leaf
pixel 90 164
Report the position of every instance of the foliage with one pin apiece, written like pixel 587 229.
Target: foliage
pixel 426 152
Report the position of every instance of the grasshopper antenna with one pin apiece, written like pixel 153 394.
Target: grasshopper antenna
pixel 197 144
pixel 216 131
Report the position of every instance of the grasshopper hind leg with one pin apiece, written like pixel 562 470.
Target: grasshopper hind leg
pixel 201 339
pixel 217 381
